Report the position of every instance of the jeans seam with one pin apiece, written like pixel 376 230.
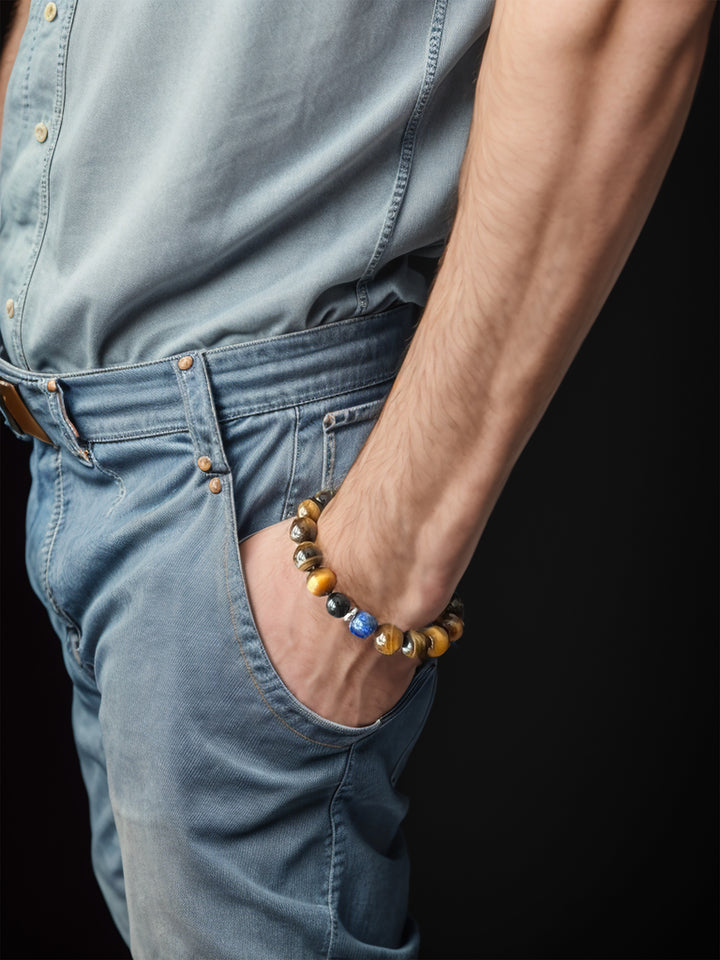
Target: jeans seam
pixel 334 843
pixel 328 458
pixel 293 465
pixel 248 667
pixel 122 490
pixel 315 398
pixel 51 536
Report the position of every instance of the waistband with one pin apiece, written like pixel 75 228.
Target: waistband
pixel 145 399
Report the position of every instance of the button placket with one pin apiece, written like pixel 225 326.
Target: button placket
pixel 42 58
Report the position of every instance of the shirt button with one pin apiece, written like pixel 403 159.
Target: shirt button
pixel 41 132
pixel 10 308
pixel 50 12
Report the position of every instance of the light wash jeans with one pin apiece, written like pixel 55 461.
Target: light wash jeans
pixel 228 820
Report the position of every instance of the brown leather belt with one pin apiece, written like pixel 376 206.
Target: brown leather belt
pixel 18 415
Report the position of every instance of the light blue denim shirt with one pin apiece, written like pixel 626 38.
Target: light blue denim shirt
pixel 187 175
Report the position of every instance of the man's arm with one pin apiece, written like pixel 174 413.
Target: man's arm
pixel 10 43
pixel 579 109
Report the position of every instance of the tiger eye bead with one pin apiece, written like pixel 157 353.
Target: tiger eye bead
pixel 321 581
pixel 456 606
pixel 323 497
pixel 439 640
pixel 415 644
pixel 303 529
pixel 307 556
pixel 453 625
pixel 309 508
pixel 389 638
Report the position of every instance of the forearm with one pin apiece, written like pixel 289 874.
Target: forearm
pixel 11 42
pixel 578 111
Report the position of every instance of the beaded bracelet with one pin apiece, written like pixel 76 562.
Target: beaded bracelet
pixel 431 641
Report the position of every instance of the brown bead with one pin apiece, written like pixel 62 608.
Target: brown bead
pixel 307 556
pixel 309 508
pixel 321 581
pixel 415 644
pixel 303 529
pixel 455 606
pixel 388 638
pixel 453 625
pixel 439 640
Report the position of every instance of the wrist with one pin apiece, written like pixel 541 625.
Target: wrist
pixel 376 571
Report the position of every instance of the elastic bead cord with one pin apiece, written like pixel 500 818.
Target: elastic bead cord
pixel 432 641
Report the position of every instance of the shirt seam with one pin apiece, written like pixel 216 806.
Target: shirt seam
pixel 407 150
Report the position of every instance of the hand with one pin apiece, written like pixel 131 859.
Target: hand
pixel 337 675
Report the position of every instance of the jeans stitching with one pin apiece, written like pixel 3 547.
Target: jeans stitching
pixel 258 687
pixel 208 417
pixel 293 465
pixel 328 457
pixel 51 536
pixel 334 843
pixel 122 490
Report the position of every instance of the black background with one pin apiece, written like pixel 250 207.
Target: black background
pixel 565 791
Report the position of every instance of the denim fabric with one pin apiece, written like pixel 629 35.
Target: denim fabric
pixel 229 821
pixel 220 173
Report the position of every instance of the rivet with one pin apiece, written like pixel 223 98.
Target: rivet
pixel 185 363
pixel 329 419
pixel 204 463
pixel 41 132
pixel 10 308
pixel 50 12
pixel 52 385
pixel 215 485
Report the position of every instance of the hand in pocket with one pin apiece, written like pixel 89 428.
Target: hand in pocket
pixel 335 674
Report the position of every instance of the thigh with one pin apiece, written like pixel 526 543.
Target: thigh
pixel 249 826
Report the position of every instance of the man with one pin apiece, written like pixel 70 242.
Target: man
pixel 550 203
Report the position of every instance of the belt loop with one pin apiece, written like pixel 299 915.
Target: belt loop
pixel 196 392
pixel 68 430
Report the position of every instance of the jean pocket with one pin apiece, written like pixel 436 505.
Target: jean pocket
pixel 345 430
pixel 302 452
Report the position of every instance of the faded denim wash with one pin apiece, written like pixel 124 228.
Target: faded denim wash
pixel 229 821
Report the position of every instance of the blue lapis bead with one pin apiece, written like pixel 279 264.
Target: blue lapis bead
pixel 363 624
